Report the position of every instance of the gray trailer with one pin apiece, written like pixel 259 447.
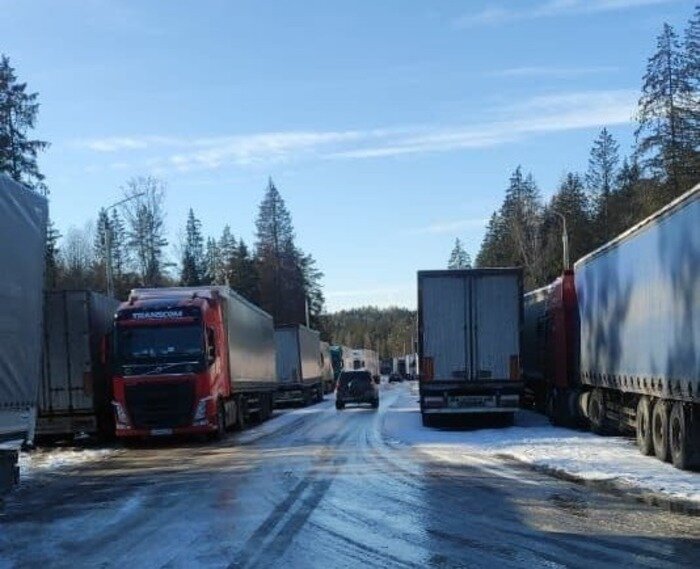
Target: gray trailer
pixel 75 392
pixel 639 312
pixel 298 366
pixel 469 336
pixel 23 218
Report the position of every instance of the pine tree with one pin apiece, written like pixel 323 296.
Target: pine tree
pixel 664 134
pixel 459 258
pixel 600 178
pixel 228 249
pixel 193 259
pixel 145 218
pixel 691 74
pixel 282 291
pixel 51 256
pixel 18 113
pixel 213 263
pixel 243 273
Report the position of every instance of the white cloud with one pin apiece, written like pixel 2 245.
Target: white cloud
pixel 538 115
pixel 559 72
pixel 452 226
pixel 548 113
pixel 498 15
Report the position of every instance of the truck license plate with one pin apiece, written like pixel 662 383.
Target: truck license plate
pixel 460 401
pixel 161 432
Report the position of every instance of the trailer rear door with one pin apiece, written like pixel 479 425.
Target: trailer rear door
pixel 445 308
pixel 496 325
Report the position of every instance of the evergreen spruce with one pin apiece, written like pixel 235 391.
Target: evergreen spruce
pixel 600 180
pixel 18 113
pixel 459 258
pixel 193 258
pixel 665 132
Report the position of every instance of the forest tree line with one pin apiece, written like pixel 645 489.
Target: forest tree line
pixel 615 192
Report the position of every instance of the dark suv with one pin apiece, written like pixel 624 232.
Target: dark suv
pixel 357 387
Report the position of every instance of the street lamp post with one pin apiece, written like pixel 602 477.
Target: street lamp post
pixel 108 243
pixel 564 240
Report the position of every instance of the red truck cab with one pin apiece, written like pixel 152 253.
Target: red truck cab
pixel 169 365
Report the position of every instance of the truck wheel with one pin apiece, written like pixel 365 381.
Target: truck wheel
pixel 220 422
pixel 375 404
pixel 645 441
pixel 553 411
pixel 597 413
pixel 427 420
pixel 679 437
pixel 659 430
pixel 339 405
pixel 507 419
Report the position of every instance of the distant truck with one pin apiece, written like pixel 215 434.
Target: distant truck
pixel 400 366
pixel 326 368
pixel 75 395
pixel 615 343
pixel 23 218
pixel 365 359
pixel 298 367
pixel 191 360
pixel 469 324
pixel 341 358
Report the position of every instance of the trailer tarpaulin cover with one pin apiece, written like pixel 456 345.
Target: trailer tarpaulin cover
pixel 23 218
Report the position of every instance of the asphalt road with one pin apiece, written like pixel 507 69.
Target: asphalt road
pixel 327 490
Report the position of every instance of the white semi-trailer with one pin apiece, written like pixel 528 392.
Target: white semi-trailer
pixel 469 326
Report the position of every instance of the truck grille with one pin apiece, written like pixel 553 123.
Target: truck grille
pixel 161 405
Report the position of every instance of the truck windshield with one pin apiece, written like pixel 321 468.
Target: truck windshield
pixel 144 344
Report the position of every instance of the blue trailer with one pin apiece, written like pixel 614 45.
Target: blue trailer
pixel 639 312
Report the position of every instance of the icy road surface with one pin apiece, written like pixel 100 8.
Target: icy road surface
pixel 327 489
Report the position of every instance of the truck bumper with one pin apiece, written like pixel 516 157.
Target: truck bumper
pixel 460 398
pixel 66 425
pixel 127 433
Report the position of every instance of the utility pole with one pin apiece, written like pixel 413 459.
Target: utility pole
pixel 108 242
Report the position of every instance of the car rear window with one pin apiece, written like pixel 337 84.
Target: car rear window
pixel 355 377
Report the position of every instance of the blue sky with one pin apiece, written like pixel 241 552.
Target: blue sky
pixel 389 127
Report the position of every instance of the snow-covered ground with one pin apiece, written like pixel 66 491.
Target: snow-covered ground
pixel 49 459
pixel 534 441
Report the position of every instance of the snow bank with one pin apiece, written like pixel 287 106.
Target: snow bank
pixel 534 441
pixel 44 460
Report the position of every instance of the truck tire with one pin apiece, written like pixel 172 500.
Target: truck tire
pixel 220 422
pixel 659 430
pixel 645 441
pixel 507 419
pixel 339 405
pixel 597 413
pixel 427 420
pixel 679 437
pixel 375 404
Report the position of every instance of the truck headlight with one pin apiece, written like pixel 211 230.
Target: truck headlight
pixel 200 413
pixel 120 412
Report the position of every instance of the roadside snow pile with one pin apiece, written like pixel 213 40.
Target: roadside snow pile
pixel 43 460
pixel 534 441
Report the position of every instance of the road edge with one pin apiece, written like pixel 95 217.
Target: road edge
pixel 614 486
